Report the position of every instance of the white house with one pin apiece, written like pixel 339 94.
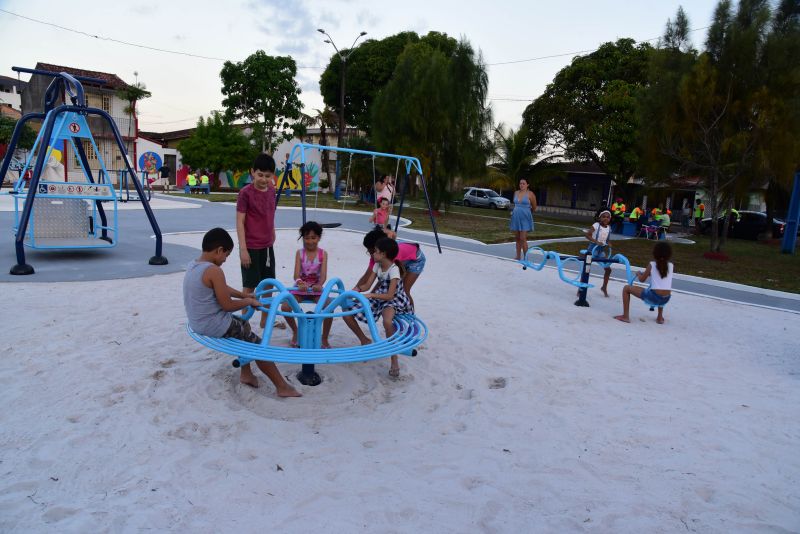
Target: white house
pixel 102 96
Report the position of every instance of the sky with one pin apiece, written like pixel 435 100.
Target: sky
pixel 523 43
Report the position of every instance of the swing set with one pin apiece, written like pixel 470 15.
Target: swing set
pixel 410 163
pixel 68 215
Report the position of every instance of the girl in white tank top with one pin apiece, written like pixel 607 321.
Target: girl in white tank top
pixel 659 292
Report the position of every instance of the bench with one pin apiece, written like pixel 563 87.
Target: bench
pixel 200 188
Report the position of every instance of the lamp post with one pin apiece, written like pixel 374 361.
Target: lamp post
pixel 343 57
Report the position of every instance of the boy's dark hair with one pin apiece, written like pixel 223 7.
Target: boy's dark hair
pixel 264 162
pixel 372 237
pixel 215 238
pixel 311 226
pixel 382 200
pixel 388 246
pixel 662 253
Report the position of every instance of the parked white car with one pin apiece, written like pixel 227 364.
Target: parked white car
pixel 485 198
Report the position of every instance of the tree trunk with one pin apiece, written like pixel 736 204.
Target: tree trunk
pixel 714 205
pixel 726 224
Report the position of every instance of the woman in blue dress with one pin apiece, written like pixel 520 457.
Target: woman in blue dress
pixel 522 217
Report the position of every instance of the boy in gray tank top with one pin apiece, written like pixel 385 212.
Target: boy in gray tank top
pixel 209 302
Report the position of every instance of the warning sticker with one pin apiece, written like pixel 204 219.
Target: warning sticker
pixel 68 189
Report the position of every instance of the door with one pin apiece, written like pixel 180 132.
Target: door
pixel 170 161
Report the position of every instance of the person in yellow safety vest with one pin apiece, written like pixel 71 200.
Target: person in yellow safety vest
pixel 617 215
pixel 699 213
pixel 191 181
pixel 204 181
pixel 666 219
pixel 636 218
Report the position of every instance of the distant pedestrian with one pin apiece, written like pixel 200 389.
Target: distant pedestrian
pixel 522 217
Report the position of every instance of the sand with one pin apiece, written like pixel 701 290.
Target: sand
pixel 522 413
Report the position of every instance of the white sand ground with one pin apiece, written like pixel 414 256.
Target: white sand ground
pixel 523 413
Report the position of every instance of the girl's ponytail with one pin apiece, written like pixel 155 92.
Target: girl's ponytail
pixel 662 253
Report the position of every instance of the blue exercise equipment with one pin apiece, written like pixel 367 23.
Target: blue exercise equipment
pixel 560 261
pixel 410 331
pixel 581 281
pixel 792 219
pixel 124 191
pixel 62 219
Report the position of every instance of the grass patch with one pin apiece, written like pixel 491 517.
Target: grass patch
pixel 754 263
pixel 487 226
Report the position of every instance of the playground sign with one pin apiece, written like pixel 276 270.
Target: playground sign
pixel 70 189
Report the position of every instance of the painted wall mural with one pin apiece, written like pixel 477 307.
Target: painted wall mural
pixel 150 162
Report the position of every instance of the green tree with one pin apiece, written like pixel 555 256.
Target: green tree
pixel 27 136
pixel 589 110
pixel 515 158
pixel 132 94
pixel 434 106
pixel 781 150
pixel 262 91
pixel 728 115
pixel 217 145
pixel 369 68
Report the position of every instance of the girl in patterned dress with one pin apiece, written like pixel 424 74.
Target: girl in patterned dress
pixel 310 274
pixel 388 297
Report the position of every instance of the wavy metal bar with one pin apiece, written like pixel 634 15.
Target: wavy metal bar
pixel 560 264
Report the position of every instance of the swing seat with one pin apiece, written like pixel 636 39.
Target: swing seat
pixel 63 223
pixel 410 331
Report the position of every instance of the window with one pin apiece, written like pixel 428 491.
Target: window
pixel 102 101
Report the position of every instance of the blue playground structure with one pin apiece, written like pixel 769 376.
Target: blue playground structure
pixel 67 215
pixel 124 190
pixel 410 163
pixel 410 331
pixel 581 280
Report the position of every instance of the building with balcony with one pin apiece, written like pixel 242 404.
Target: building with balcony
pixel 97 96
pixel 11 91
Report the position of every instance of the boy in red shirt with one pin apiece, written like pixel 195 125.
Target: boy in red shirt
pixel 255 226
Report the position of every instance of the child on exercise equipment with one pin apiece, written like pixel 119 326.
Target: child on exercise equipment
pixel 598 235
pixel 388 296
pixel 310 274
pixel 658 293
pixel 209 302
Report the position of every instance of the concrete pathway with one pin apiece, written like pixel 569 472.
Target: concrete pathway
pixel 137 245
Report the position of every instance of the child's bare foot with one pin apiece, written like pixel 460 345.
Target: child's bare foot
pixel 605 291
pixel 622 318
pixel 394 372
pixel 325 344
pixel 247 377
pixel 287 391
pixel 293 343
pixel 660 320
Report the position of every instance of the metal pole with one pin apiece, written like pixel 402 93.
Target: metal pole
pixel 587 268
pixel 790 230
pixel 341 102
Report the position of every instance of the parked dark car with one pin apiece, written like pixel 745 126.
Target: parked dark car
pixel 749 225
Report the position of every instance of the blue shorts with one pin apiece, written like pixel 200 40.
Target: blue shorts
pixel 652 298
pixel 417 265
pixel 597 251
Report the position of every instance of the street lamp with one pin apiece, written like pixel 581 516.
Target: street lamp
pixel 343 57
